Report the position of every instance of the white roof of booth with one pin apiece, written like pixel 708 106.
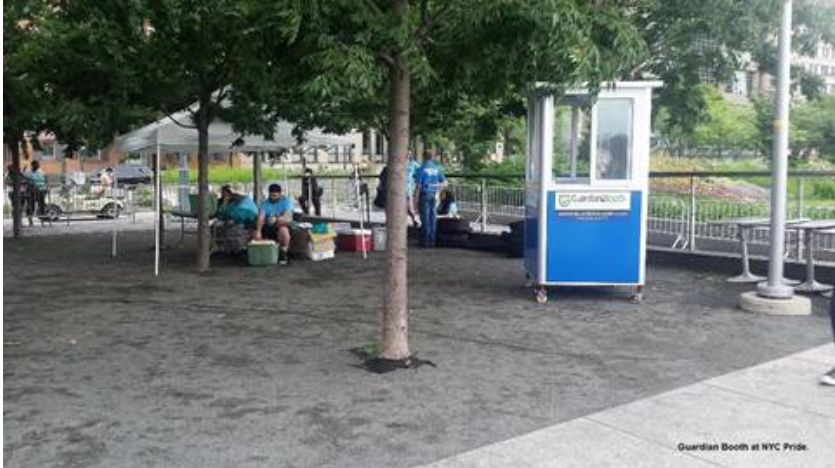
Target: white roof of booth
pixel 174 138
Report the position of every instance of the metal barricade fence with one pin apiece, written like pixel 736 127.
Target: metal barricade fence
pixel 687 214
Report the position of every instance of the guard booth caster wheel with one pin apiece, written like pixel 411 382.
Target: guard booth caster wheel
pixel 638 295
pixel 541 295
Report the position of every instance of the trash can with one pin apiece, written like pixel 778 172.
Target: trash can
pixel 378 235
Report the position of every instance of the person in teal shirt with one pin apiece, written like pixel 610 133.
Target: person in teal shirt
pixel 238 208
pixel 236 215
pixel 275 220
pixel 412 167
pixel 37 191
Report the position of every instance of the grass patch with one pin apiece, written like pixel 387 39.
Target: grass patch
pixel 243 175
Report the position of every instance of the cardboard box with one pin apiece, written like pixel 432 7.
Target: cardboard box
pixel 318 256
pixel 303 241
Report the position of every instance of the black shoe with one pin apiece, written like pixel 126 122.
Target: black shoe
pixel 283 258
pixel 828 378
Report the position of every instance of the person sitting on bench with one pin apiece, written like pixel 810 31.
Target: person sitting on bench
pixel 447 208
pixel 236 215
pixel 275 220
pixel 236 207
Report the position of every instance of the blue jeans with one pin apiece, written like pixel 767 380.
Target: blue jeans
pixel 428 219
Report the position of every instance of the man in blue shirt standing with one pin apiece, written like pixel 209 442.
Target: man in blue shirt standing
pixel 275 220
pixel 430 179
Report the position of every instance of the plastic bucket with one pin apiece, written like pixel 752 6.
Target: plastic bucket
pixel 379 237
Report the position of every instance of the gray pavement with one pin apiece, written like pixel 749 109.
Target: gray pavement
pixel 106 366
pixel 772 415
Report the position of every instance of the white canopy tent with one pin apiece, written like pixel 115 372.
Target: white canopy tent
pixel 168 136
pixel 174 134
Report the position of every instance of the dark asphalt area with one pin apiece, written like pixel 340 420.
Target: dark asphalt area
pixel 106 366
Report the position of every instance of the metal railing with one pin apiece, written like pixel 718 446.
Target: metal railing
pixel 73 202
pixel 690 206
pixel 685 208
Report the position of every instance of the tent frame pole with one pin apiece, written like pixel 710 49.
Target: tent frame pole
pixel 157 207
pixel 358 189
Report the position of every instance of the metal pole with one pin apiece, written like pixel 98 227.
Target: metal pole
pixel 114 248
pixel 483 205
pixel 132 203
pixel 256 178
pixel 333 197
pixel 800 210
pixel 359 205
pixel 692 221
pixel 775 287
pixel 182 176
pixel 575 139
pixel 157 207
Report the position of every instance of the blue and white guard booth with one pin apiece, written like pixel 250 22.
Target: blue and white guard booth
pixel 587 182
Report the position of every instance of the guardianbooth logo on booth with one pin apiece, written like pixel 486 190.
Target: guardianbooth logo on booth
pixel 593 201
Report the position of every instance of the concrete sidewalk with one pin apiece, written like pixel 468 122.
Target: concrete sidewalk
pixel 771 415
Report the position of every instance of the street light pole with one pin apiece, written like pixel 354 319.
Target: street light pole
pixel 773 296
pixel 775 287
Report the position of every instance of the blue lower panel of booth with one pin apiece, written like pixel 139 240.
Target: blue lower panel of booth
pixel 593 246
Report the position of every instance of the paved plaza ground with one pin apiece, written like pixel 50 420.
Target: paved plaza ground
pixel 106 366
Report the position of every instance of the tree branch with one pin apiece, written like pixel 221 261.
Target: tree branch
pixel 429 22
pixel 180 123
pixel 222 92
pixel 386 58
pixel 371 4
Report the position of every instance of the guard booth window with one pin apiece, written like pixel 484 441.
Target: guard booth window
pixel 572 140
pixel 614 145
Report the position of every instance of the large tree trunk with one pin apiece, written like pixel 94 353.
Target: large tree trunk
pixel 395 288
pixel 203 235
pixel 17 212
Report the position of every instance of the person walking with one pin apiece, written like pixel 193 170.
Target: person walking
pixel 311 192
pixel 829 377
pixel 430 179
pixel 382 188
